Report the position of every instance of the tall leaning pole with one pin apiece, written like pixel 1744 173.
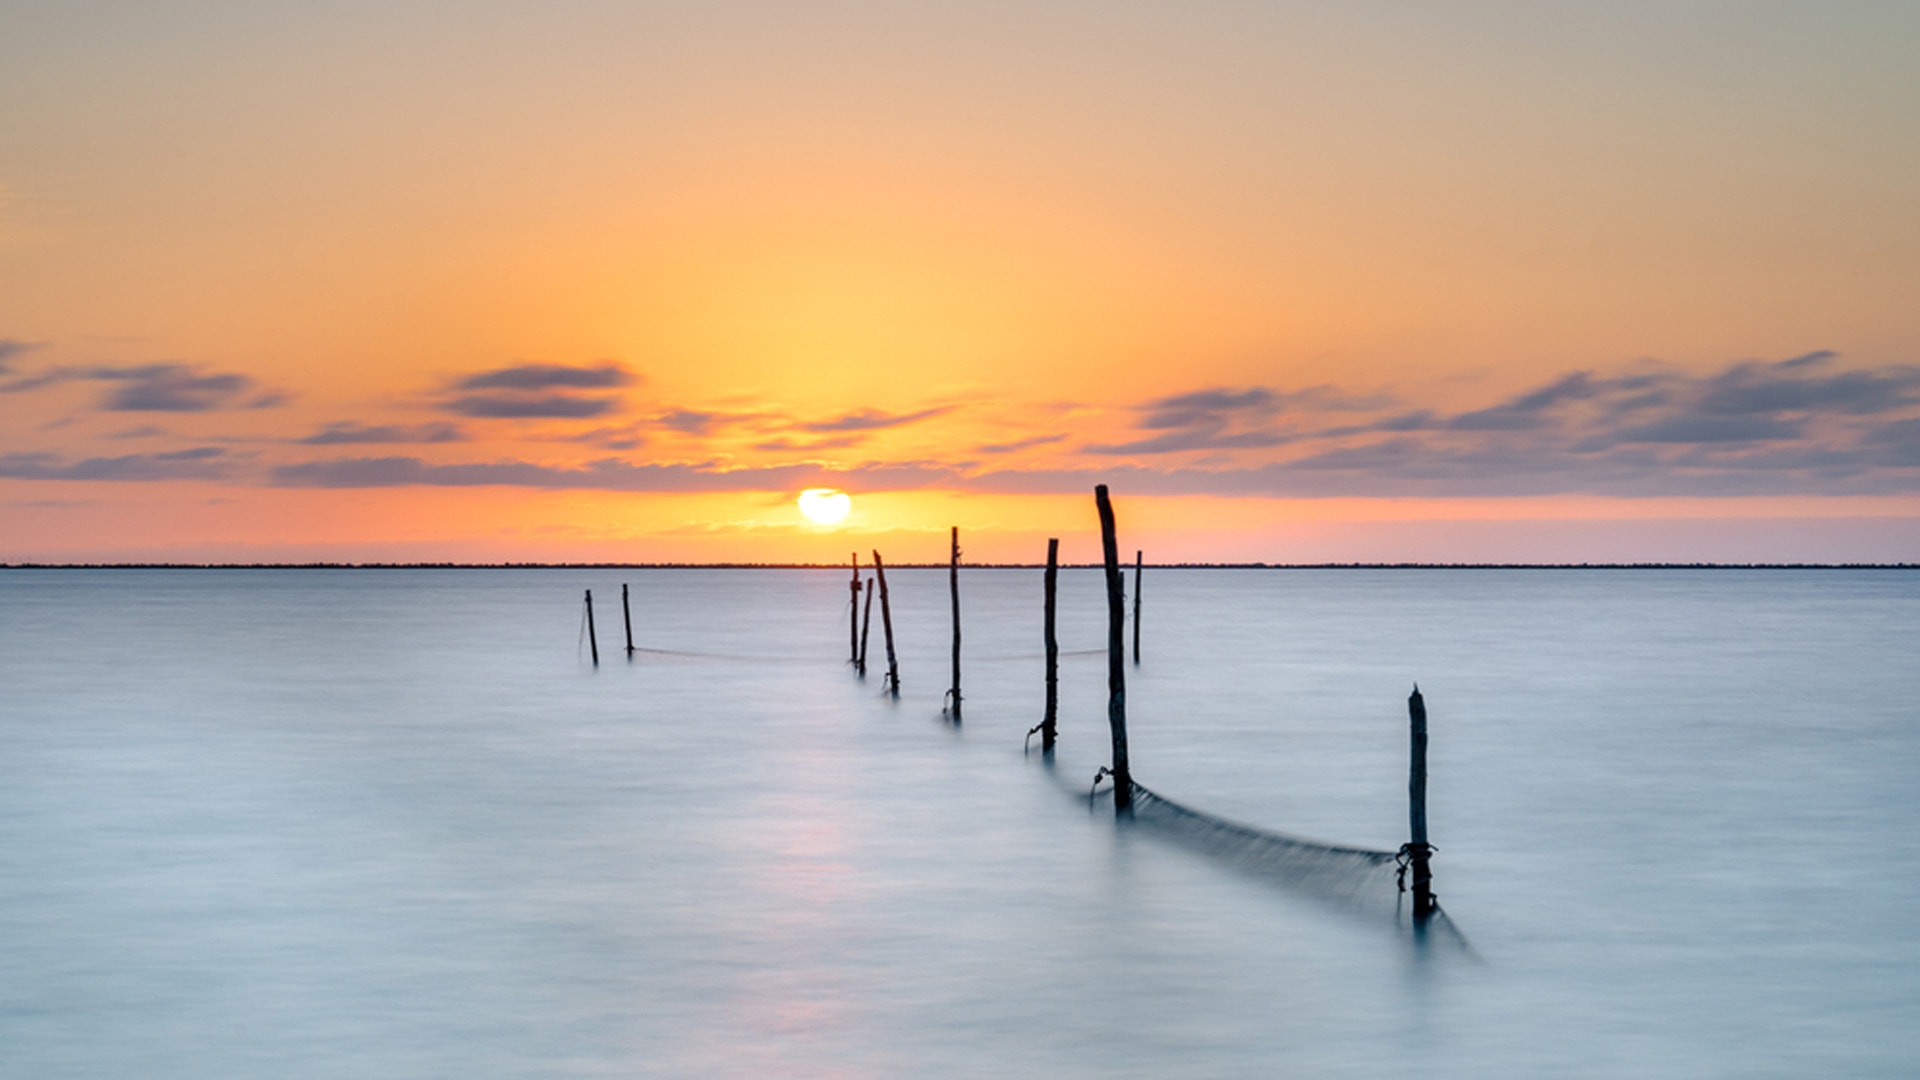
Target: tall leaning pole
pixel 1049 724
pixel 1116 655
pixel 853 616
pixel 1419 851
pixel 953 580
pixel 892 682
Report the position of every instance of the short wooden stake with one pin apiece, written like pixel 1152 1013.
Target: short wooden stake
pixel 1116 654
pixel 1418 850
pixel 853 616
pixel 626 613
pixel 1136 607
pixel 892 683
pixel 592 640
pixel 1049 725
pixel 866 624
pixel 953 582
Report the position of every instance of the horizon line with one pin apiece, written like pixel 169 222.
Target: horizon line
pixel 335 565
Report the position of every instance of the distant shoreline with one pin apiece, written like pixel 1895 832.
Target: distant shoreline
pixel 943 566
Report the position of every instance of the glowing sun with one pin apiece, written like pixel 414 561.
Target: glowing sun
pixel 825 506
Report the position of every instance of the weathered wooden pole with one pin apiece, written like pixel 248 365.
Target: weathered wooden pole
pixel 1418 850
pixel 592 640
pixel 866 624
pixel 953 583
pixel 626 613
pixel 1049 724
pixel 853 616
pixel 1136 606
pixel 892 683
pixel 1116 655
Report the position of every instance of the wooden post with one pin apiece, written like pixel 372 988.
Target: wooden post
pixel 853 616
pixel 592 640
pixel 1136 607
pixel 1116 655
pixel 953 582
pixel 892 684
pixel 1418 850
pixel 1049 724
pixel 626 613
pixel 866 624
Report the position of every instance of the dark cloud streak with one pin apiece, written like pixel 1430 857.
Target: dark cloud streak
pixel 536 377
pixel 198 463
pixel 547 407
pixel 605 475
pixel 348 432
pixel 1018 444
pixel 537 392
pixel 873 420
pixel 11 348
pixel 164 387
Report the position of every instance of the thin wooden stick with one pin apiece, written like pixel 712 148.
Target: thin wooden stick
pixel 626 613
pixel 592 639
pixel 892 684
pixel 1116 655
pixel 1418 850
pixel 866 624
pixel 853 616
pixel 1049 725
pixel 953 581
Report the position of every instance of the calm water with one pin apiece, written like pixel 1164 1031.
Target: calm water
pixel 391 824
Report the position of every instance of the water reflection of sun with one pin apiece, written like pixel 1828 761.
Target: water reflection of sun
pixel 825 506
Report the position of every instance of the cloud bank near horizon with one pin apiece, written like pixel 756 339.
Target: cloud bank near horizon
pixel 1801 426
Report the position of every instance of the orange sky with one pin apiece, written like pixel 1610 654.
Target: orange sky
pixel 480 281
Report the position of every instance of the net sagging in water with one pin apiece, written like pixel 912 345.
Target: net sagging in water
pixel 1357 877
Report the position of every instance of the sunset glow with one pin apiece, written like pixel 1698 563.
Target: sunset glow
pixel 824 506
pixel 1435 287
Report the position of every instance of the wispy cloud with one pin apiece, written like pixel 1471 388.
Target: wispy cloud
pixel 170 388
pixel 1203 408
pixel 1755 389
pixel 11 348
pixel 163 387
pixel 198 463
pixel 1211 419
pixel 1707 428
pixel 1194 438
pixel 347 432
pixel 538 391
pixel 1018 444
pixel 784 445
pixel 1407 468
pixel 623 437
pixel 548 377
pixel 1529 410
pixel 691 421
pixel 873 420
pixel 1747 402
pixel 530 407
pixel 144 431
pixel 1789 426
pixel 607 475
pixel 1897 443
pixel 1801 425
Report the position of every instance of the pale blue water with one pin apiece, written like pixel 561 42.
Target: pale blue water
pixel 327 823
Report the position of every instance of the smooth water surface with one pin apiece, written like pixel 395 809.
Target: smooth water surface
pixel 391 823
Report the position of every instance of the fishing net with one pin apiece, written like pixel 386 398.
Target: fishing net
pixel 1350 876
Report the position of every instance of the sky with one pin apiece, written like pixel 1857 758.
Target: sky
pixel 485 281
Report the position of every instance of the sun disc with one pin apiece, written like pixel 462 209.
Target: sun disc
pixel 825 506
